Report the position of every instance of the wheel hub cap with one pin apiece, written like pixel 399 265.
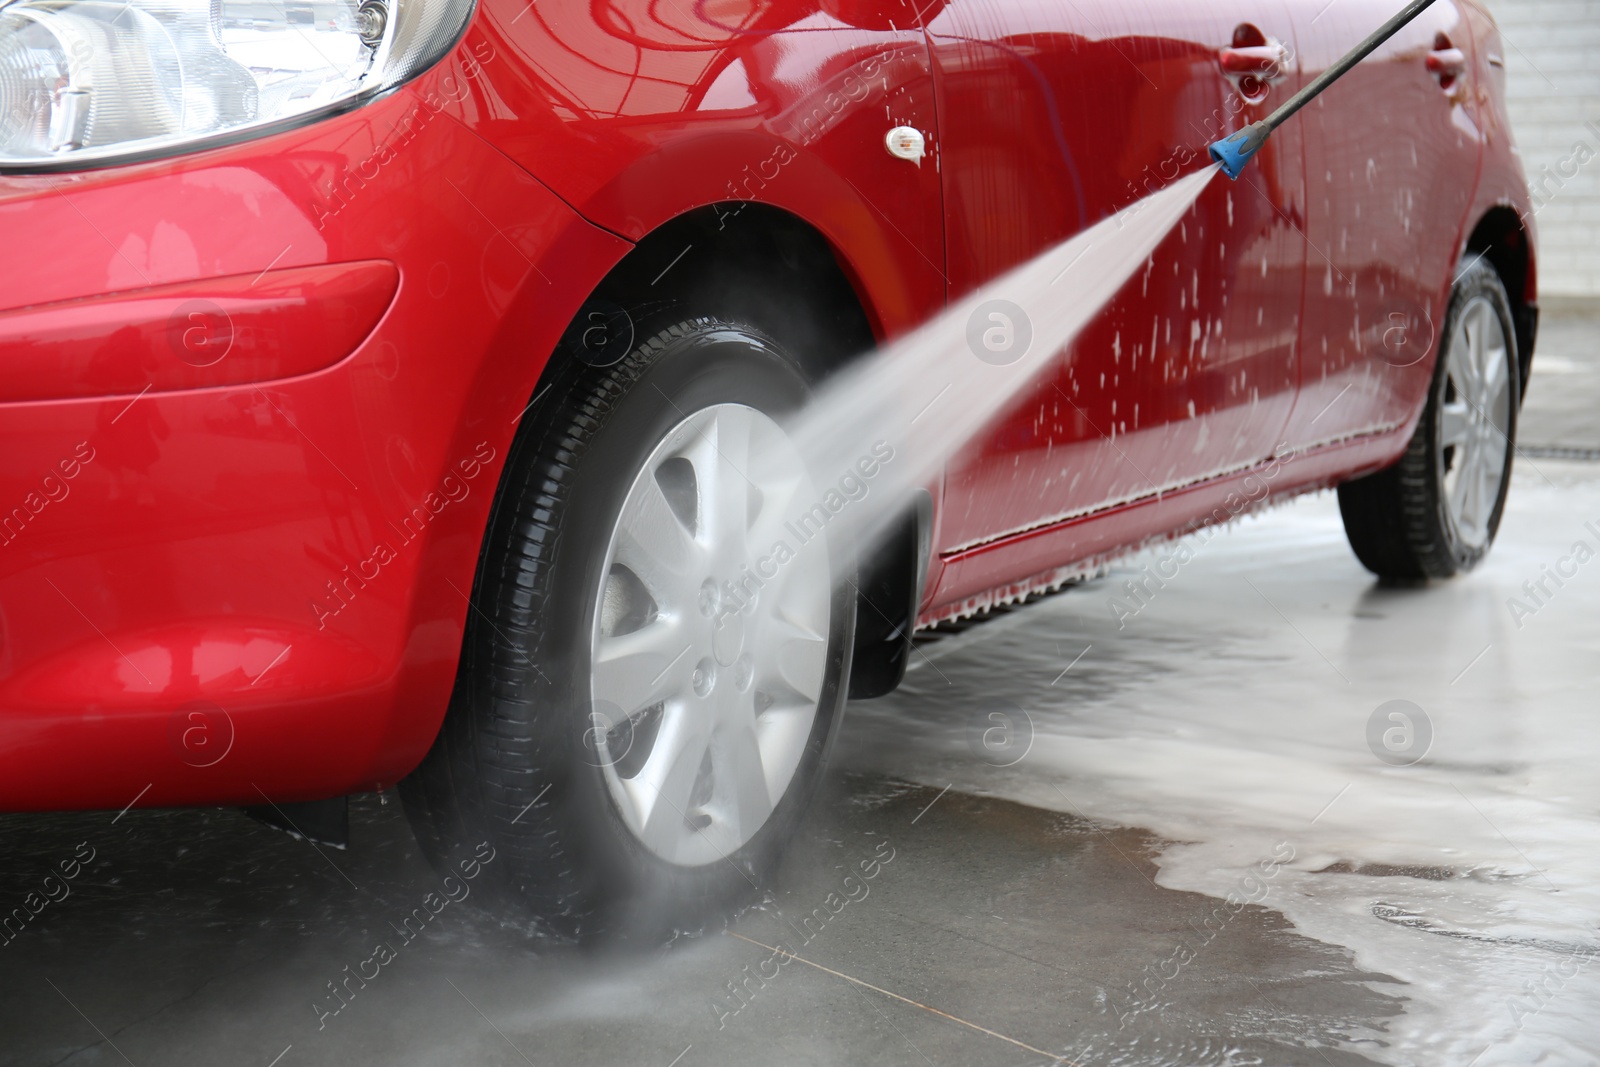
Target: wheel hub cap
pixel 728 638
pixel 709 642
pixel 1475 422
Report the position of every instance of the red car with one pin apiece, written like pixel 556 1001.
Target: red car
pixel 379 382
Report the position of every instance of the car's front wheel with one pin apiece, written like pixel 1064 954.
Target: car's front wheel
pixel 655 662
pixel 1435 512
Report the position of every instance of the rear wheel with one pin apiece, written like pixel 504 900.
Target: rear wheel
pixel 649 682
pixel 1435 512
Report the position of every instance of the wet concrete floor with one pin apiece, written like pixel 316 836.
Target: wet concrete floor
pixel 988 933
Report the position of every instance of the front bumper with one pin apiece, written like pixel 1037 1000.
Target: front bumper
pixel 236 575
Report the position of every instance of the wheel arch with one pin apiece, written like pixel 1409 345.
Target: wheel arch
pixel 752 261
pixel 755 262
pixel 1501 238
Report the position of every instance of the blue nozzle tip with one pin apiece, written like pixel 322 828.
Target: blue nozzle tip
pixel 1235 152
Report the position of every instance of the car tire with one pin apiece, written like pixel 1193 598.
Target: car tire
pixel 538 756
pixel 1435 513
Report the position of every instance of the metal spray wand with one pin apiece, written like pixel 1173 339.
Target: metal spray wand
pixel 1236 150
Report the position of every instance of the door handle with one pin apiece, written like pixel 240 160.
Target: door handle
pixel 1268 62
pixel 1447 62
pixel 1253 62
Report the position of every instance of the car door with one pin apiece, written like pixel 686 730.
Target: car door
pixel 1392 158
pixel 1053 114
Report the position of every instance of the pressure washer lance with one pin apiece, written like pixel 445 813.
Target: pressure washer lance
pixel 1234 151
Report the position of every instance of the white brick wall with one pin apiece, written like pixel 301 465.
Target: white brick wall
pixel 1553 80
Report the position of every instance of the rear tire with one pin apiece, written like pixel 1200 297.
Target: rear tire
pixel 1435 513
pixel 543 753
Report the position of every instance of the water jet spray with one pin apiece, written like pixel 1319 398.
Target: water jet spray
pixel 928 393
pixel 1235 151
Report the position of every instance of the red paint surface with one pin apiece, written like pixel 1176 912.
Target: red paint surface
pixel 268 557
pixel 218 331
pixel 1191 371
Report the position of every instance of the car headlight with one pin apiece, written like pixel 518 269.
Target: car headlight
pixel 86 82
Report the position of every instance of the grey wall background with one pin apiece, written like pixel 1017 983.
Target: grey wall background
pixel 1553 88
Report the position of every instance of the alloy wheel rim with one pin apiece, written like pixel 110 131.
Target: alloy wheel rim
pixel 1475 422
pixel 708 644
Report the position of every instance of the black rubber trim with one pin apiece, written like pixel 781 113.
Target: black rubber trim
pixel 890 594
